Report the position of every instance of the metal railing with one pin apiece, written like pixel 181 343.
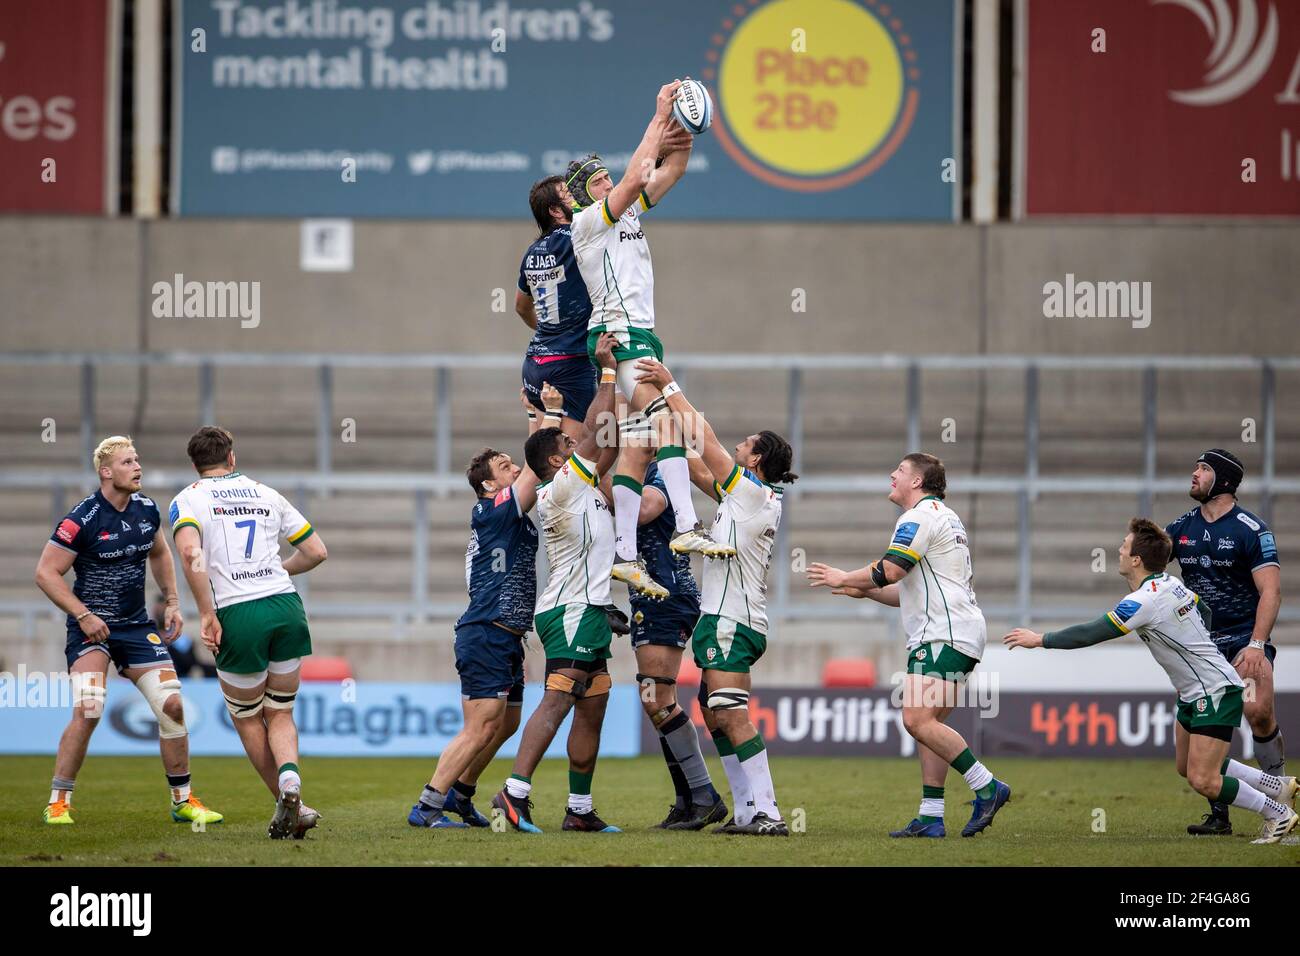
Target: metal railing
pixel 1026 485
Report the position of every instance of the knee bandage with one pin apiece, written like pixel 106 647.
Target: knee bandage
pixel 280 699
pixel 645 682
pixel 89 693
pixel 158 684
pixel 657 408
pixel 599 684
pixel 728 698
pixel 243 708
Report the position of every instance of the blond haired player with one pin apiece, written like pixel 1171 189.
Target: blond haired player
pixel 613 256
pixel 106 540
pixel 228 529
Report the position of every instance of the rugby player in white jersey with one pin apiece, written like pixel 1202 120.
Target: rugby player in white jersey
pixel 106 541
pixel 731 634
pixel 228 528
pixel 1171 620
pixel 613 256
pixel 926 573
pixel 571 620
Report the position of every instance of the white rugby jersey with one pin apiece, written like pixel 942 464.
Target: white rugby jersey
pixel 614 259
pixel 937 596
pixel 578 528
pixel 747 519
pixel 240 522
pixel 1163 611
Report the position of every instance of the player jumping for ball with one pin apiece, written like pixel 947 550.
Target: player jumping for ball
pixel 926 574
pixel 228 528
pixel 1172 622
pixel 106 541
pixel 613 255
pixel 732 632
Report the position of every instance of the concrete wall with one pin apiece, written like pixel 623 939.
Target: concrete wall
pixel 71 283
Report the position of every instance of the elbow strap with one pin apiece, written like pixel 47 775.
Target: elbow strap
pixel 878 574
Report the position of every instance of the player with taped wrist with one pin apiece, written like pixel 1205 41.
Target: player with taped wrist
pixel 731 634
pixel 1173 622
pixel 106 541
pixel 228 528
pixel 611 249
pixel 926 573
pixel 1228 556
pixel 501 578
pixel 571 620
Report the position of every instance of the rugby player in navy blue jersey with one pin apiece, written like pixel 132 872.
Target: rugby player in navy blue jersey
pixel 500 574
pixel 660 630
pixel 106 541
pixel 1229 558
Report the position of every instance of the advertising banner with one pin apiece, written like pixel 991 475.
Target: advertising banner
pixel 348 719
pixel 58 106
pixel 824 109
pixel 1159 107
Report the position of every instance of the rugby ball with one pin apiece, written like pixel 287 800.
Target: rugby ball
pixel 693 108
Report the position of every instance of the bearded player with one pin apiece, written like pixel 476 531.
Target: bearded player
pixel 610 246
pixel 1228 556
pixel 106 541
pixel 571 620
pixel 732 631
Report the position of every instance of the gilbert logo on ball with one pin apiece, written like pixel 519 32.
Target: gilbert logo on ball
pixel 693 107
pixel 813 95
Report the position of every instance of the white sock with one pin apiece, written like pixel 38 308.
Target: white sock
pixel 1271 754
pixel 677 476
pixel 1258 779
pixel 627 508
pixel 761 790
pixel 931 807
pixel 738 781
pixel 519 789
pixel 182 793
pixel 289 780
pixel 580 803
pixel 978 776
pixel 1248 798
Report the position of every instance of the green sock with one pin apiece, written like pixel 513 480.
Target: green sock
pixel 580 783
pixel 930 793
pixel 963 762
pixel 723 744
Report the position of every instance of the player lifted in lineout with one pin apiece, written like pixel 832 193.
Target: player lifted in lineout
pixel 228 529
pixel 732 631
pixel 571 620
pixel 1171 621
pixel 613 255
pixel 926 573
pixel 501 577
pixel 106 541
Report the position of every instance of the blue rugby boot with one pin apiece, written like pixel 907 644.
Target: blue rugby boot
pixel 918 829
pixel 982 816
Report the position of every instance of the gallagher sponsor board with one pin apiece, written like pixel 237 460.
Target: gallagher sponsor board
pixel 824 109
pixel 351 719
pixel 58 99
pixel 1192 108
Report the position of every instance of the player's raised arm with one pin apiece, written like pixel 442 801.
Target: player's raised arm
pixel 674 154
pixel 699 433
pixel 600 412
pixel 524 488
pixel 1126 616
pixel 641 166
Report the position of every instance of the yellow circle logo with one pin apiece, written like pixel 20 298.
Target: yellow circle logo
pixel 154 639
pixel 813 94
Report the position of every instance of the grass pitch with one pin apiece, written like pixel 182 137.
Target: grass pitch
pixel 846 805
